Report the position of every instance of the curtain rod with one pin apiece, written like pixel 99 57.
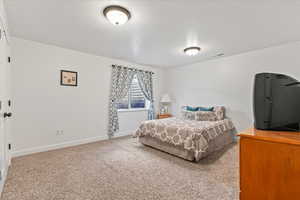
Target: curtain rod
pixel 135 69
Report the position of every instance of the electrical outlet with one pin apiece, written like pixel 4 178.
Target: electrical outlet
pixel 57 132
pixel 62 132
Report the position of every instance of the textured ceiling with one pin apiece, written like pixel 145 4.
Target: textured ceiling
pixel 159 30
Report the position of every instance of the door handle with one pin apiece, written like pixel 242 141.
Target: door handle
pixel 7 115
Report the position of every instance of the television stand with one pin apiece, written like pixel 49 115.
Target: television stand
pixel 269 165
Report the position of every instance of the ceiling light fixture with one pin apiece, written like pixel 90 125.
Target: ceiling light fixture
pixel 117 15
pixel 192 51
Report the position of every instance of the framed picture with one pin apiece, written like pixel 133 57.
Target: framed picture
pixel 68 78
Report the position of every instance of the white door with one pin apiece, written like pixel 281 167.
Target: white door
pixel 5 109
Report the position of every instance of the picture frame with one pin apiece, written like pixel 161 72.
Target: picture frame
pixel 68 78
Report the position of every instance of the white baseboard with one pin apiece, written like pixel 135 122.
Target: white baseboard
pixel 124 133
pixel 28 151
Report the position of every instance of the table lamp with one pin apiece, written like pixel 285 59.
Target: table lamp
pixel 165 101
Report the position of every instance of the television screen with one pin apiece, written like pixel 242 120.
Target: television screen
pixel 276 102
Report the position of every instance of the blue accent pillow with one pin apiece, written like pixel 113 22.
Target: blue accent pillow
pixel 193 109
pixel 205 108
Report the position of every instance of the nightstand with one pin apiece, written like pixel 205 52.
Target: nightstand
pixel 162 116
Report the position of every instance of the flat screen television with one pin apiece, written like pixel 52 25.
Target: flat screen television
pixel 276 102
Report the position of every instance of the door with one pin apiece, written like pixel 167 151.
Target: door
pixel 5 108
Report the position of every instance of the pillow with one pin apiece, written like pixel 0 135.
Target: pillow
pixel 193 109
pixel 206 116
pixel 188 115
pixel 200 108
pixel 205 108
pixel 220 112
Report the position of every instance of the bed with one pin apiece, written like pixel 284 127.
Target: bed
pixel 192 137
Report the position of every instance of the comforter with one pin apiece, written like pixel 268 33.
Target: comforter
pixel 192 135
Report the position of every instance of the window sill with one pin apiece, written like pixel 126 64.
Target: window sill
pixel 133 110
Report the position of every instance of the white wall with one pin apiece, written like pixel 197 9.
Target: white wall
pixel 42 106
pixel 131 120
pixel 4 97
pixel 228 81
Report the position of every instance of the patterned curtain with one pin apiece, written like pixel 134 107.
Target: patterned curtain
pixel 145 82
pixel 121 78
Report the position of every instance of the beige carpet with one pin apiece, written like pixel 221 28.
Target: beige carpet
pixel 121 169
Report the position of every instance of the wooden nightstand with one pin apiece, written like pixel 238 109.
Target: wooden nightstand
pixel 162 116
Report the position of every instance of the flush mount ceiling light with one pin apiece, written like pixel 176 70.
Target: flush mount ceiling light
pixel 192 51
pixel 117 15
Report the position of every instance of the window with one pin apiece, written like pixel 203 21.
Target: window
pixel 135 98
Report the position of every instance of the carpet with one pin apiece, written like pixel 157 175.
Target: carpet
pixel 121 169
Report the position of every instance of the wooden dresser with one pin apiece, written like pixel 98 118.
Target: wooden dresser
pixel 269 165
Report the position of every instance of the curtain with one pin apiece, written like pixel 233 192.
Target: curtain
pixel 145 82
pixel 121 78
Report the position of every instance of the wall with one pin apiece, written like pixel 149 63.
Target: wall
pixel 229 81
pixel 4 96
pixel 42 106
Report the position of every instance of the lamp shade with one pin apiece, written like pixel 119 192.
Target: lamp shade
pixel 165 99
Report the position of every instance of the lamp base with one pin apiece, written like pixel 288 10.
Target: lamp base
pixel 164 109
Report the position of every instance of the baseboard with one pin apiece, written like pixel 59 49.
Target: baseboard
pixel 56 146
pixel 124 133
pixel 65 144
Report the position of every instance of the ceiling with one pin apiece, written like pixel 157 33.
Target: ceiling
pixel 159 30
